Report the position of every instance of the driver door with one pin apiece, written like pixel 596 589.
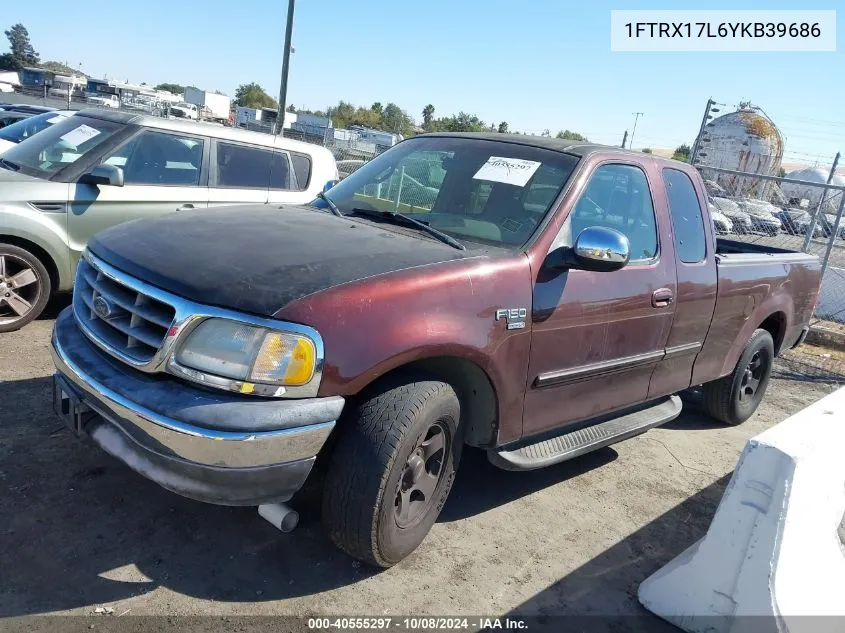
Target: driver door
pixel 163 173
pixel 597 336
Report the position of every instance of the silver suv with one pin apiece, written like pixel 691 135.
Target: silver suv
pixel 99 168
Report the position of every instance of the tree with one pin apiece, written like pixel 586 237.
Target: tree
pixel 22 49
pixel 377 107
pixel 176 89
pixel 547 133
pixel 646 150
pixel 58 67
pixel 682 153
pixel 503 127
pixel 567 135
pixel 292 109
pixel 781 172
pixel 395 120
pixel 10 62
pixel 428 116
pixel 252 95
pixel 461 122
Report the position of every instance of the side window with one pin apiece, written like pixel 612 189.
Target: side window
pixel 302 169
pixel 155 158
pixel 687 220
pixel 618 197
pixel 242 167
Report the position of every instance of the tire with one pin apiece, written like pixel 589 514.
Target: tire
pixel 31 289
pixel 371 507
pixel 735 397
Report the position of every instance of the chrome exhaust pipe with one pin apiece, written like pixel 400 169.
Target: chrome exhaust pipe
pixel 280 515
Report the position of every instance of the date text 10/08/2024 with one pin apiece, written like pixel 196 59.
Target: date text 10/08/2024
pixel 723 29
pixel 415 624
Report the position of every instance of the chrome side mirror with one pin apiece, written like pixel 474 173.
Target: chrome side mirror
pixel 597 248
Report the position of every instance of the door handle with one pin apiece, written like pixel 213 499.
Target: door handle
pixel 662 297
pixel 185 207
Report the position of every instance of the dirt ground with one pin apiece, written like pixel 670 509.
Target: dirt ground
pixel 78 530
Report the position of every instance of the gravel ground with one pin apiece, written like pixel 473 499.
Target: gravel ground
pixel 78 530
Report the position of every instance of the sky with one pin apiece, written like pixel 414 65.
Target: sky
pixel 537 64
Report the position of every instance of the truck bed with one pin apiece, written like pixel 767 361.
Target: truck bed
pixel 737 252
pixel 756 284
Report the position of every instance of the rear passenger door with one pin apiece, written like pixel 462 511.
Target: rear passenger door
pixel 247 174
pixel 696 273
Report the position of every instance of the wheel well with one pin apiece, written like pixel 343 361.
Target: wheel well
pixel 479 409
pixel 42 255
pixel 775 325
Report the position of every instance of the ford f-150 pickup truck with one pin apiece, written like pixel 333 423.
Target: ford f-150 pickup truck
pixel 535 298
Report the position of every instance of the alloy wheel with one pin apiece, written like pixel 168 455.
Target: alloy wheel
pixel 20 288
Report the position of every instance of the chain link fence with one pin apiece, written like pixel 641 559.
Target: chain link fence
pixel 796 215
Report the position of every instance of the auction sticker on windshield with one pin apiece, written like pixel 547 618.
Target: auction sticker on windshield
pixel 511 171
pixel 78 136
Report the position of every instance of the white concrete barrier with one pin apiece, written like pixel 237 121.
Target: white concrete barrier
pixel 774 549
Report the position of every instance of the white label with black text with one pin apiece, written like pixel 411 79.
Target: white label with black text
pixel 511 171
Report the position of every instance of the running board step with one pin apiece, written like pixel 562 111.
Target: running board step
pixel 589 438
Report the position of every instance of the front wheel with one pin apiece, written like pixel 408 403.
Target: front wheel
pixel 734 398
pixel 24 287
pixel 392 469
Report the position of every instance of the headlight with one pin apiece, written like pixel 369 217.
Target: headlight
pixel 244 352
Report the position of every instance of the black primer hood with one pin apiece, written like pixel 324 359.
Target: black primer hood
pixel 258 258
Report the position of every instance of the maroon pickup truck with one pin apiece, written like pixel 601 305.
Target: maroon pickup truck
pixel 531 297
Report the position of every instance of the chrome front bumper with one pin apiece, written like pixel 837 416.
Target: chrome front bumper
pixel 215 447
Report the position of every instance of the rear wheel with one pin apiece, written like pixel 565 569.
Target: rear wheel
pixel 24 287
pixel 734 398
pixel 392 469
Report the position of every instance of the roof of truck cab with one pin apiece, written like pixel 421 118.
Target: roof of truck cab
pixel 202 128
pixel 578 148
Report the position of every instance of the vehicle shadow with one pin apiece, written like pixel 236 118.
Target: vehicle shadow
pixel 56 304
pixel 601 595
pixel 480 486
pixel 80 529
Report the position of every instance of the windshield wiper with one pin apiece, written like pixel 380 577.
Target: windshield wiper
pixel 9 165
pixel 400 218
pixel 332 206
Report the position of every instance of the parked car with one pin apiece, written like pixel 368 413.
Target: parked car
pixel 8 118
pixel 221 354
pixel 28 126
pixel 25 107
pixel 797 222
pixel 104 100
pixel 828 221
pixel 99 167
pixel 740 220
pixel 721 222
pixel 762 215
pixel 184 110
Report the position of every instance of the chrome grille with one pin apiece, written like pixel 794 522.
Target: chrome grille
pixel 123 320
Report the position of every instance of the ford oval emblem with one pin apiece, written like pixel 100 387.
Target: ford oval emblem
pixel 102 308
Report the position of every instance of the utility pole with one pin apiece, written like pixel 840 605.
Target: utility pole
pixel 624 138
pixel 637 115
pixel 707 116
pixel 812 227
pixel 283 90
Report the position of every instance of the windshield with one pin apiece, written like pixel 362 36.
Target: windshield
pixel 480 190
pixel 64 143
pixel 27 127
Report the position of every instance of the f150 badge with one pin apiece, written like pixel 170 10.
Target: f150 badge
pixel 514 316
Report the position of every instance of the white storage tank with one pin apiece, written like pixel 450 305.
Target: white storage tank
pixel 745 140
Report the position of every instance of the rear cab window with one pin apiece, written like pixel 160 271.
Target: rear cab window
pixel 687 217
